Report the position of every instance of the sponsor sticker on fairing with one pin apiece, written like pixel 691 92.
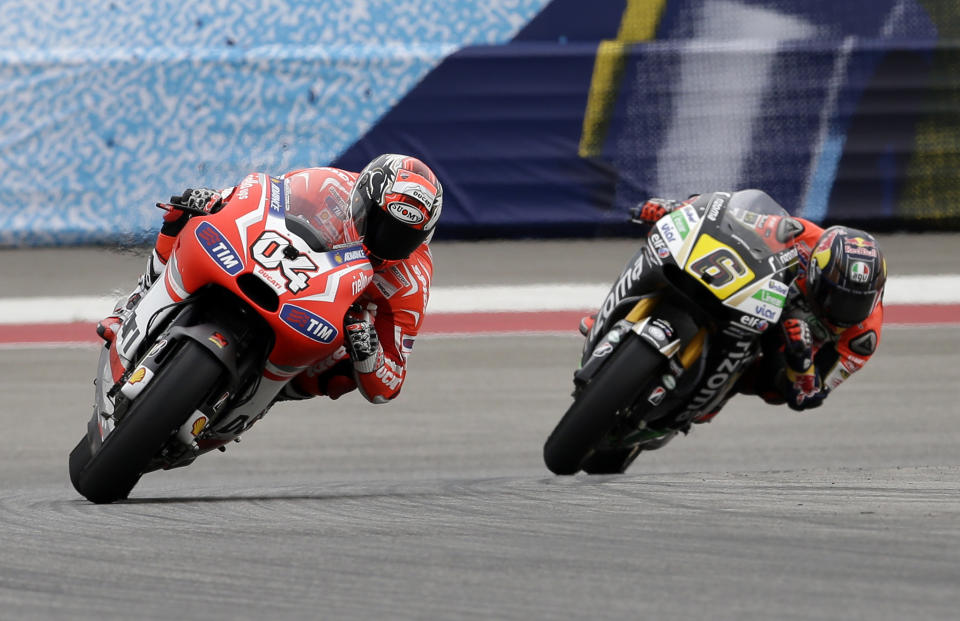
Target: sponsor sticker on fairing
pixel 769 297
pixel 219 249
pixel 308 324
pixel 348 255
pixel 668 231
pixel 665 228
pixel 767 312
pixel 754 323
pixel 657 242
pixel 277 207
pixel 136 382
pixel 681 223
pixel 714 210
pixel 788 256
pixel 778 287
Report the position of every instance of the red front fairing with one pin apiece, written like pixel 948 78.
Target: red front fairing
pixel 248 243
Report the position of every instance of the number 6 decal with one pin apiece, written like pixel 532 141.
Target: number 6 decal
pixel 719 268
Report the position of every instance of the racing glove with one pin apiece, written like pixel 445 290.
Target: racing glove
pixel 193 202
pixel 798 345
pixel 362 342
pixel 805 391
pixel 652 210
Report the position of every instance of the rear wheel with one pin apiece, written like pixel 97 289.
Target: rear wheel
pixel 594 410
pixel 177 390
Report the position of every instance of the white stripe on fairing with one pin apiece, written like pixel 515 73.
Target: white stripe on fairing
pixel 250 218
pixel 934 289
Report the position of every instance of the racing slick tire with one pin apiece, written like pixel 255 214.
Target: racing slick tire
pixel 179 387
pixel 596 406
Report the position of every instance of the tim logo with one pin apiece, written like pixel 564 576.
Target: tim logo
pixel 219 248
pixel 306 323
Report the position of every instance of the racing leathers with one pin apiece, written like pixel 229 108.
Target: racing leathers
pixel 380 329
pixel 837 353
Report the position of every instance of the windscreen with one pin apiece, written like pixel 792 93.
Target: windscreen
pixel 325 210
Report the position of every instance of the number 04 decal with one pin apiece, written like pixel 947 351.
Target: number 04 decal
pixel 268 251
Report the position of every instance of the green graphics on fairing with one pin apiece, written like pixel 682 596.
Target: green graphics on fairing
pixel 680 221
pixel 678 231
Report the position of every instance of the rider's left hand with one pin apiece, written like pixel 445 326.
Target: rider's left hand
pixel 798 345
pixel 361 340
pixel 192 202
pixel 805 392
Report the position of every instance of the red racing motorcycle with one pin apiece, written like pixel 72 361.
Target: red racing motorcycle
pixel 252 295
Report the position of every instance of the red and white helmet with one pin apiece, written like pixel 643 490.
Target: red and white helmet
pixel 395 204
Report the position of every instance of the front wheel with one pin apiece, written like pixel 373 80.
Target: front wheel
pixel 595 409
pixel 171 397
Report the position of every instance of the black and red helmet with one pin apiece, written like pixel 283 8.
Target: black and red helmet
pixel 846 276
pixel 395 204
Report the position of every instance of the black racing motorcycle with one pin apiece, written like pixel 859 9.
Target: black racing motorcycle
pixel 677 330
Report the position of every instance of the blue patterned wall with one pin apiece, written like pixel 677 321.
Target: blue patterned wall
pixel 108 107
pixel 541 117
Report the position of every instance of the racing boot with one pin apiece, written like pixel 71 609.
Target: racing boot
pixel 586 324
pixel 109 326
pixel 179 210
pixel 706 418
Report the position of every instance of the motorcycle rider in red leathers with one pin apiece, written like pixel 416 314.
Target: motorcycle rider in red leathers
pixel 831 322
pixel 394 204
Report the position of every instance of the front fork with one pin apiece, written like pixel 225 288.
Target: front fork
pixel 658 332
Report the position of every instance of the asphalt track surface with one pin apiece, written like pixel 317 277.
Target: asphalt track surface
pixel 438 506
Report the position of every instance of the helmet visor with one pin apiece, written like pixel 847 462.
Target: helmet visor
pixel 389 239
pixel 843 307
